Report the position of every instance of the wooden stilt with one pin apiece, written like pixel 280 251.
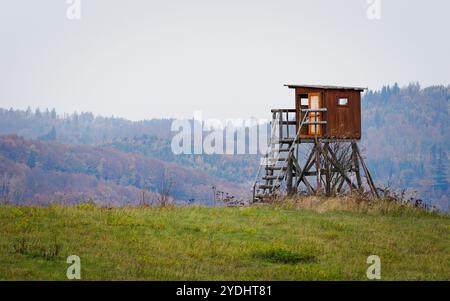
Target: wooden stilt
pixel 356 164
pixel 327 171
pixel 318 167
pixel 366 171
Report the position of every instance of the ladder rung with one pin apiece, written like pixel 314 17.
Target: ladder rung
pixel 281 159
pixel 282 141
pixel 281 150
pixel 270 178
pixel 265 186
pixel 273 177
pixel 314 122
pixel 288 122
pixel 275 168
pixel 287 140
pixel 313 110
pixel 273 160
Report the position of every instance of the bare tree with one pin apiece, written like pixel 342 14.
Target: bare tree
pixel 11 188
pixel 145 186
pixel 165 187
pixel 4 189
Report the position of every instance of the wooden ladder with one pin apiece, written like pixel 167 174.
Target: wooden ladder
pixel 281 154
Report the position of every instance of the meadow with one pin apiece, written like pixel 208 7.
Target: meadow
pixel 269 242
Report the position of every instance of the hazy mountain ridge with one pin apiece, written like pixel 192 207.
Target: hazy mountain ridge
pixel 149 137
pixel 406 137
pixel 43 172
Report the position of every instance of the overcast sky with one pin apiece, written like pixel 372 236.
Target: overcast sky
pixel 230 59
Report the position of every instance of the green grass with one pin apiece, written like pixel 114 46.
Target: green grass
pixel 195 243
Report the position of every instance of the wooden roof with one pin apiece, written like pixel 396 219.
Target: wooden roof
pixel 325 87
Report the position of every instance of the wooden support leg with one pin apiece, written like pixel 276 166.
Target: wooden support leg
pixel 318 167
pixel 308 186
pixel 306 167
pixel 366 171
pixel 327 170
pixel 339 168
pixel 356 165
pixel 342 181
pixel 289 172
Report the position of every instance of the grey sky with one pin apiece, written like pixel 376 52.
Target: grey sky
pixel 144 59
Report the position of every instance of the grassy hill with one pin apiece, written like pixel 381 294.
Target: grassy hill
pixel 270 242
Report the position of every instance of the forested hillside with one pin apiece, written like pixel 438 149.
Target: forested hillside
pixel 406 137
pixel 149 137
pixel 37 172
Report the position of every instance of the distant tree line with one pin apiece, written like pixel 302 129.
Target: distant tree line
pixel 405 139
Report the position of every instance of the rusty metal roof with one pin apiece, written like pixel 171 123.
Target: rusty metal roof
pixel 326 87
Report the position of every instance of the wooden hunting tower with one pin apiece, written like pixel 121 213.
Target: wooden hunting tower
pixel 318 140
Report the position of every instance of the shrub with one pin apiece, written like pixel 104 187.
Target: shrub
pixel 283 256
pixel 35 248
